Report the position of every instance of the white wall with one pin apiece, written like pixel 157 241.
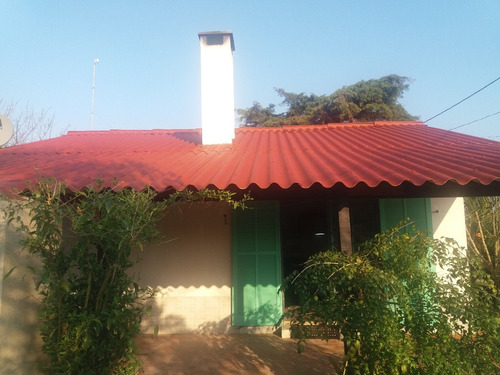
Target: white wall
pixel 448 220
pixel 191 271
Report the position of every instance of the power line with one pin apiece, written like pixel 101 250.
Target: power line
pixel 482 118
pixel 463 100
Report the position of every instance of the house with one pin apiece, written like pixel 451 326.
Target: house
pixel 314 188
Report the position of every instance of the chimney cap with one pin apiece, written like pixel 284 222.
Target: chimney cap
pixel 207 33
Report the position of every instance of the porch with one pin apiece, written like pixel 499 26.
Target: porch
pixel 236 354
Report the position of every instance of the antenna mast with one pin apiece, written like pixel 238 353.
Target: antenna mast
pixel 93 92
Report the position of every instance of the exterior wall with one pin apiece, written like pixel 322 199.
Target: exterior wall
pixel 191 271
pixel 448 220
pixel 20 344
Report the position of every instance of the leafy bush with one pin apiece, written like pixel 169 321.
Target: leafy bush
pixel 91 306
pixel 483 233
pixel 396 316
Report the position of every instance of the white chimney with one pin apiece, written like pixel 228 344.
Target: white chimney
pixel 217 87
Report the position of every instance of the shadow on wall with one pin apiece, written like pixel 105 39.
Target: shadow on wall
pixel 191 270
pixel 222 326
pixel 206 314
pixel 20 342
pixel 267 314
pixel 196 250
pixel 170 323
pixel 176 324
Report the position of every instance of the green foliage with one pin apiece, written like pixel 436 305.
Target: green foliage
pixel 91 306
pixel 257 115
pixel 365 101
pixel 483 233
pixel 395 315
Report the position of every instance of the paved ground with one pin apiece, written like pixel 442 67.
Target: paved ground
pixel 236 354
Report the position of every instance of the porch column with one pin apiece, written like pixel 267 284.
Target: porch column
pixel 345 228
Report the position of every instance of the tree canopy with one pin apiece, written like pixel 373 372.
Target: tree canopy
pixel 365 101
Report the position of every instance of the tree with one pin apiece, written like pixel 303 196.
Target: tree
pixel 91 306
pixel 372 100
pixel 29 124
pixel 395 315
pixel 483 233
pixel 257 115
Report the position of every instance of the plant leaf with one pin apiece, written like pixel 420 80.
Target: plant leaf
pixel 8 273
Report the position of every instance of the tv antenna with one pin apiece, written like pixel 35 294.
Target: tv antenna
pixel 6 130
pixel 93 92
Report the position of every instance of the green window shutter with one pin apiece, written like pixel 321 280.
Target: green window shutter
pixel 256 265
pixel 393 211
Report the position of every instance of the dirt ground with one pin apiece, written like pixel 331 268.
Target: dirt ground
pixel 236 354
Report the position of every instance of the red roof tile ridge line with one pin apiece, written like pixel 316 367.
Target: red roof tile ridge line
pixel 327 126
pixel 374 123
pixel 280 129
pixel 398 123
pixel 128 131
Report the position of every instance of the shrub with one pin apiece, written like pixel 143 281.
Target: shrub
pixel 396 316
pixel 91 306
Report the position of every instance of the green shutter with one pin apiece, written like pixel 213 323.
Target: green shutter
pixel 256 265
pixel 393 211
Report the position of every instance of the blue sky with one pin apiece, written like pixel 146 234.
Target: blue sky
pixel 148 76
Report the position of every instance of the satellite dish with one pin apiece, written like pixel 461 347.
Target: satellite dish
pixel 6 130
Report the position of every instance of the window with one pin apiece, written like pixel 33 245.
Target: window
pixel 311 226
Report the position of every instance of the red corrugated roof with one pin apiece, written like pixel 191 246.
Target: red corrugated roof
pixel 350 153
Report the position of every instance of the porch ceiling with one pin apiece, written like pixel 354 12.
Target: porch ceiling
pixel 362 156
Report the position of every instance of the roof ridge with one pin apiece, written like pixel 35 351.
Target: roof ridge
pixel 388 123
pixel 328 126
pixel 374 123
pixel 129 131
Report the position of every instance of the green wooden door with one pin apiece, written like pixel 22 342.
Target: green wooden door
pixel 393 211
pixel 256 265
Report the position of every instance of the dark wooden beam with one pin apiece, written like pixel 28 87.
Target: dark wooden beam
pixel 345 229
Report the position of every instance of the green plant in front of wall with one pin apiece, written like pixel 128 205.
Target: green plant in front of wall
pixel 396 316
pixel 91 306
pixel 483 233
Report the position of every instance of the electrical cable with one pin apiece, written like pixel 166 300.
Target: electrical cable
pixel 482 118
pixel 463 100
